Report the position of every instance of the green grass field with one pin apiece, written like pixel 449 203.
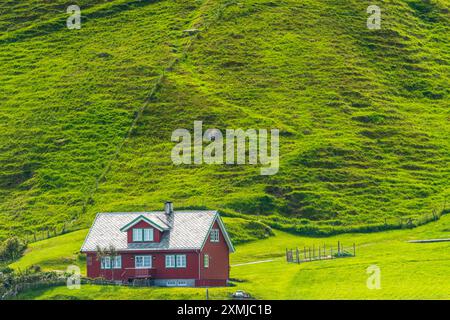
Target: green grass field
pixel 408 270
pixel 363 114
pixel 86 118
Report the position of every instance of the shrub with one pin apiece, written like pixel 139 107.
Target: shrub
pixel 35 268
pixel 11 249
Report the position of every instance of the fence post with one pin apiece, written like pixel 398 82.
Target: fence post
pixel 298 258
pixel 339 248
pixel 319 252
pixel 304 252
pixel 331 252
pixel 309 249
pixel 287 258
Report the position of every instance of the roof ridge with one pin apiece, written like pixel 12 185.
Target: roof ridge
pixel 147 212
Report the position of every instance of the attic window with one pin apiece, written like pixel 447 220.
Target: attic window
pixel 142 235
pixel 214 235
pixel 148 234
pixel 137 235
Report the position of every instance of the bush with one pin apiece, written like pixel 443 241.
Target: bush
pixel 6 270
pixel 11 249
pixel 35 268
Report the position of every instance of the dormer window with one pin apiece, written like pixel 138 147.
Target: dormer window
pixel 137 235
pixel 142 235
pixel 145 229
pixel 214 237
pixel 148 235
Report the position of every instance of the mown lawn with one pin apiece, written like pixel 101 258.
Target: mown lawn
pixel 408 271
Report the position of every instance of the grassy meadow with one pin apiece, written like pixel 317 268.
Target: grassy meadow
pixel 86 115
pixel 408 270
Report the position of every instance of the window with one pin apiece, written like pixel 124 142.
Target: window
pixel 206 261
pixel 140 235
pixel 171 283
pixel 170 261
pixel 176 261
pixel 182 283
pixel 116 262
pixel 106 263
pixel 141 262
pixel 137 235
pixel 148 234
pixel 181 261
pixel 176 283
pixel 214 235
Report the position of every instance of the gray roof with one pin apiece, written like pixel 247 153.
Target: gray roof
pixel 187 230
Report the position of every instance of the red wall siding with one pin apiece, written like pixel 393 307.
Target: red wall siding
pixel 219 264
pixel 158 262
pixel 142 224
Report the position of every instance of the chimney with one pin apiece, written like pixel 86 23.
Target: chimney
pixel 168 207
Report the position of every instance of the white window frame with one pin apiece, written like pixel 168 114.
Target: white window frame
pixel 171 283
pixel 143 265
pixel 206 260
pixel 214 236
pixel 106 263
pixel 176 283
pixel 148 234
pixel 176 261
pixel 117 262
pixel 137 235
pixel 170 261
pixel 182 283
pixel 180 261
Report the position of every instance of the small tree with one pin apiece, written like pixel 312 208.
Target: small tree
pixel 11 249
pixel 110 252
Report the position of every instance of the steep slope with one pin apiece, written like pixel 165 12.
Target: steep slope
pixel 69 97
pixel 363 114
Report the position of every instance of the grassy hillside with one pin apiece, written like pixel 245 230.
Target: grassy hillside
pixel 87 115
pixel 408 270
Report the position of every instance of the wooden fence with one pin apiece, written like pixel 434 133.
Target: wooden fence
pixel 324 252
pixel 43 234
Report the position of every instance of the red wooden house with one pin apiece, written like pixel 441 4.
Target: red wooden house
pixel 169 248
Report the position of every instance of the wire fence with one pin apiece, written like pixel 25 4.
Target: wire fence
pixel 51 232
pixel 323 252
